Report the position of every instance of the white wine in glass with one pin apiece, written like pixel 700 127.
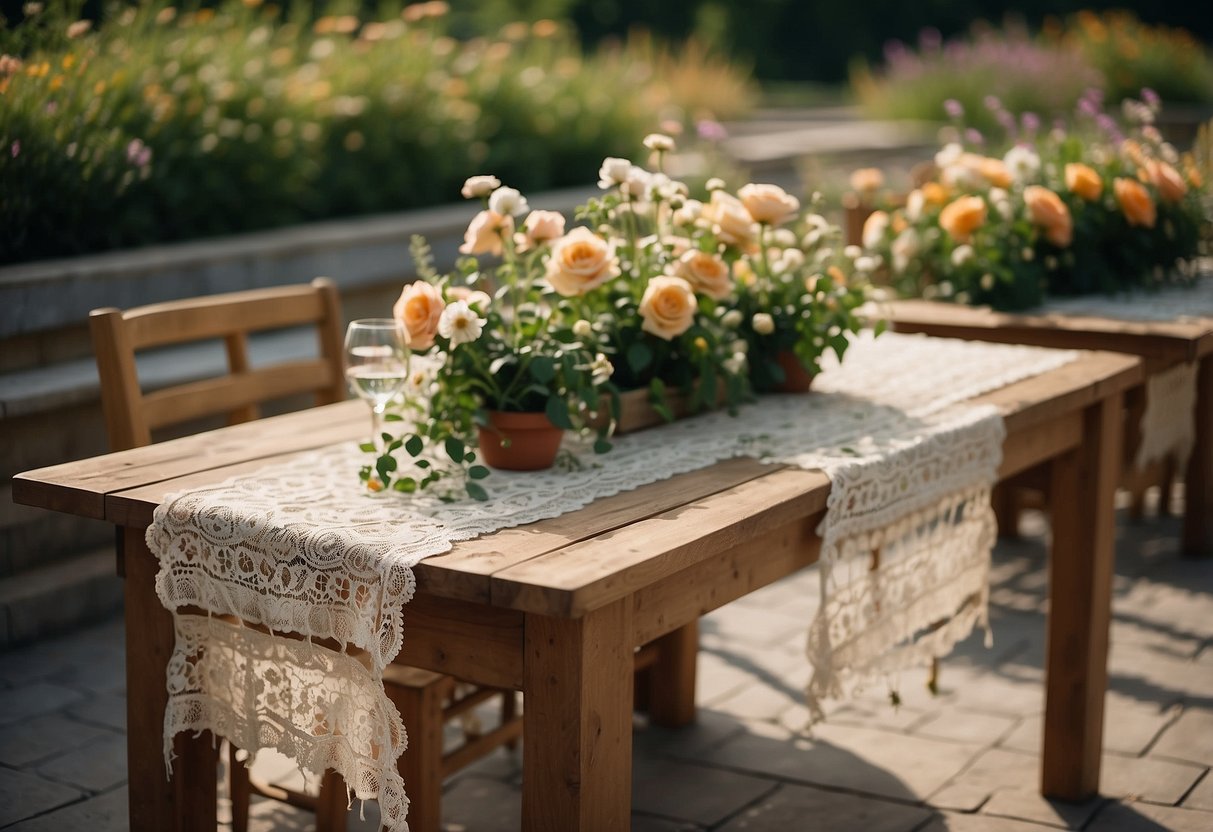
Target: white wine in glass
pixel 376 364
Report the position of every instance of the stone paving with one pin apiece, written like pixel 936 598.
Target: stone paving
pixel 964 760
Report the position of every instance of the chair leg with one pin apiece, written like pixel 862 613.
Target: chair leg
pixel 332 804
pixel 241 792
pixel 509 707
pixel 421 763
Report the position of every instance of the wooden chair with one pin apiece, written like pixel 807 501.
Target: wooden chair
pixel 426 700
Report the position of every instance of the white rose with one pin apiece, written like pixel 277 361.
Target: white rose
pixel 659 142
pixel 915 203
pixel 714 184
pixel 478 187
pixel 763 323
pixel 508 202
pixel 614 171
pixel 1022 162
pixel 874 228
pixel 962 254
pixel 636 184
pixel 949 155
pixel 690 211
pixel 768 204
pixel 732 318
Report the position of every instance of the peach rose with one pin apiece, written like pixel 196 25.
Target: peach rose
pixel 731 222
pixel 1135 202
pixel 485 233
pixel 668 306
pixel 934 193
pixel 707 273
pixel 1083 181
pixel 581 261
pixel 419 309
pixel 541 226
pixel 1166 179
pixel 867 180
pixel 1048 211
pixel 994 171
pixel 962 216
pixel 768 204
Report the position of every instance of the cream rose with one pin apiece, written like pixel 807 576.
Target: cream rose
pixel 479 187
pixel 730 220
pixel 419 308
pixel 707 273
pixel 867 180
pixel 768 204
pixel 874 228
pixel 1049 213
pixel 668 307
pixel 581 261
pixel 485 233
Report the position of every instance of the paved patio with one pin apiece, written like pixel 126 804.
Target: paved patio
pixel 963 760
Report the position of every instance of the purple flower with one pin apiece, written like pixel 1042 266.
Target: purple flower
pixel 16 148
pixel 51 107
pixel 1151 98
pixel 1005 120
pixel 711 131
pixel 973 136
pixel 1087 107
pixel 993 104
pixel 929 39
pixel 953 108
pixel 1030 122
pixel 138 154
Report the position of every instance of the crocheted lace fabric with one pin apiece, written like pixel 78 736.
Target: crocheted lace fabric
pixel 1167 426
pixel 319 571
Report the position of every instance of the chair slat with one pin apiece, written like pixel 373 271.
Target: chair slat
pixel 229 394
pixel 218 316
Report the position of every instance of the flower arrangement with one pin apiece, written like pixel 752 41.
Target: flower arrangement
pixel 1071 210
pixel 657 295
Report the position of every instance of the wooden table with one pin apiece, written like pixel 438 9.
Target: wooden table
pixel 1160 345
pixel 556 608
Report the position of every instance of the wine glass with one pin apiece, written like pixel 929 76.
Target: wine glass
pixel 376 364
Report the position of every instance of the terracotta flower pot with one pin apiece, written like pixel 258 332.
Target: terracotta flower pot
pixel 796 379
pixel 519 441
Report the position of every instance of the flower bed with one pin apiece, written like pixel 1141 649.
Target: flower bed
pixel 166 125
pixel 1062 211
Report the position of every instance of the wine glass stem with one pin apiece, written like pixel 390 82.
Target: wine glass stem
pixel 376 418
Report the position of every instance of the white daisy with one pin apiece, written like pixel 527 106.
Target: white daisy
pixel 459 324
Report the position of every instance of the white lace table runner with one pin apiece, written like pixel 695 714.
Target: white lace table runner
pixel 299 549
pixel 1181 304
pixel 1167 425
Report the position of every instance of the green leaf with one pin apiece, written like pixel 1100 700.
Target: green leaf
pixel 558 413
pixel 386 463
pixel 454 449
pixel 476 491
pixel 543 368
pixel 639 356
pixel 601 446
pixel 392 417
pixel 478 472
pixel 407 485
pixel 367 447
pixel 414 445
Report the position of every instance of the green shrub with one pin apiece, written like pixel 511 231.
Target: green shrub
pixel 166 125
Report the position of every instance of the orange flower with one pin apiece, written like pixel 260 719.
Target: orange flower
pixel 419 309
pixel 962 216
pixel 1135 202
pixel 934 193
pixel 995 172
pixel 867 180
pixel 1167 180
pixel 1048 211
pixel 1083 181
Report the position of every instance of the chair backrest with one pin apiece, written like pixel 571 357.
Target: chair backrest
pixel 131 415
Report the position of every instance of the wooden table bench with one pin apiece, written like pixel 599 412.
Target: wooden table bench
pixel 1160 345
pixel 555 609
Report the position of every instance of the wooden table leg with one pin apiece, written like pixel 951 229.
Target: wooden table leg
pixel 1081 565
pixel 671 680
pixel 577 746
pixel 187 801
pixel 1198 484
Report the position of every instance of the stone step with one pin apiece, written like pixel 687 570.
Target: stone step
pixel 59 597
